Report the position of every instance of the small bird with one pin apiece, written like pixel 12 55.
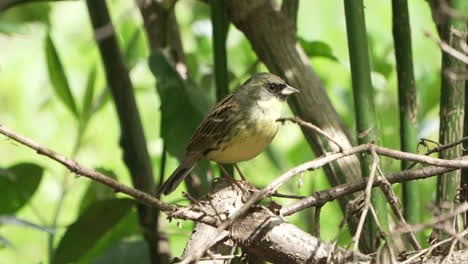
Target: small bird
pixel 238 128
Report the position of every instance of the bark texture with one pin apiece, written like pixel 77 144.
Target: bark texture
pixel 261 233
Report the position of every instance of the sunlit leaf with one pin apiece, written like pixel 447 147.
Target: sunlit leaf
pixel 317 49
pixel 133 49
pixel 58 78
pixel 88 97
pixel 92 225
pixel 17 185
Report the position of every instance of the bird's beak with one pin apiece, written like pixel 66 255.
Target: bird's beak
pixel 288 90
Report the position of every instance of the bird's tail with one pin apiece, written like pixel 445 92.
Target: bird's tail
pixel 179 174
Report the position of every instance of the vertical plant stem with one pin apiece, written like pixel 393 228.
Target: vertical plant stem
pixel 366 121
pixel 132 139
pixel 452 104
pixel 220 29
pixel 407 104
pixel 220 25
pixel 464 172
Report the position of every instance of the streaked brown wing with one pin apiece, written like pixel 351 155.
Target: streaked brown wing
pixel 215 127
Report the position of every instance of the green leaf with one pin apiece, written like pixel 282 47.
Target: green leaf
pixel 175 106
pixel 317 49
pixel 128 226
pixel 181 110
pixel 27 12
pixel 133 42
pixel 97 191
pixel 92 225
pixel 58 78
pixel 100 101
pixel 12 27
pixel 87 109
pixel 17 185
pixel 125 252
pixel 133 49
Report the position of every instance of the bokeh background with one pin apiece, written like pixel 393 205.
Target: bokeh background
pixel 30 106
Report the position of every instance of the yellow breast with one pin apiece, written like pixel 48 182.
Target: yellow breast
pixel 252 136
pixel 243 146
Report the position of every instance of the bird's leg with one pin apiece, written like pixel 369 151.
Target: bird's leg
pixel 225 172
pixel 239 171
pixel 230 177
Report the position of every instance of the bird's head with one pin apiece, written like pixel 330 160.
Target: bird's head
pixel 266 86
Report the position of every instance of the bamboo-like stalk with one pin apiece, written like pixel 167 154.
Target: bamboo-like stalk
pixel 220 25
pixel 407 103
pixel 464 172
pixel 452 104
pixel 366 120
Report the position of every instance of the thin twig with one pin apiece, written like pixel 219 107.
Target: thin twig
pixel 429 249
pixel 341 190
pixel 463 207
pixel 290 196
pixel 301 122
pixel 188 214
pixel 448 49
pixel 220 257
pixel 392 200
pixel 439 148
pixel 367 203
pixel 76 168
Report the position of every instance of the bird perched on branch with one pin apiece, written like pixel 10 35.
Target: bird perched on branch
pixel 238 128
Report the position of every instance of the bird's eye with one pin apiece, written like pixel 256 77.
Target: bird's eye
pixel 272 87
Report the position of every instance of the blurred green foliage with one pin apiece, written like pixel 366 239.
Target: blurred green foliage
pixel 18 183
pixel 54 92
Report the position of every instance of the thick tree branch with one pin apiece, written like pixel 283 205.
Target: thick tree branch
pixel 322 197
pixel 180 212
pixel 289 9
pixel 162 30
